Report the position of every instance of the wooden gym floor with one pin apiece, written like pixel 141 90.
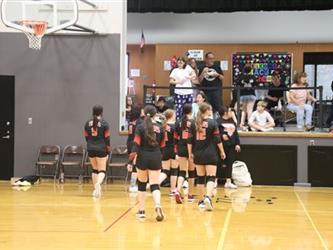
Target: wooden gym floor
pixel 48 216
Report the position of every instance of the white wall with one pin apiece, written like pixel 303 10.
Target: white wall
pixel 238 27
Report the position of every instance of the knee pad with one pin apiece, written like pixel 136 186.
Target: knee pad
pixel 95 171
pixel 134 169
pixel 201 180
pixel 210 178
pixel 166 171
pixel 102 171
pixel 142 186
pixel 174 172
pixel 191 174
pixel 154 187
pixel 182 173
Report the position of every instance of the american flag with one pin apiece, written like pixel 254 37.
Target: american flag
pixel 143 41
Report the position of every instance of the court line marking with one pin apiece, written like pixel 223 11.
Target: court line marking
pixel 120 217
pixel 224 230
pixel 322 241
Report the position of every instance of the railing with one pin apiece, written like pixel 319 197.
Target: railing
pixel 238 89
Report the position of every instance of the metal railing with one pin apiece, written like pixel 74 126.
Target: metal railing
pixel 238 89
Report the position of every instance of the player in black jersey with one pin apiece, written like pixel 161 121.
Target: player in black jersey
pixel 202 142
pixel 182 128
pixel 148 141
pixel 169 163
pixel 230 140
pixel 135 120
pixel 97 134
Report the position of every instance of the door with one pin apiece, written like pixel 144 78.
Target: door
pixel 7 102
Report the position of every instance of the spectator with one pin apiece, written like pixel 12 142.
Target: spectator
pixel 275 94
pixel 298 102
pixel 260 119
pixel 161 106
pixel 200 98
pixel 211 75
pixel 247 93
pixel 330 118
pixel 129 104
pixel 192 63
pixel 182 76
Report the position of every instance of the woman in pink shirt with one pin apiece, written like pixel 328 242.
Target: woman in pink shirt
pixel 298 99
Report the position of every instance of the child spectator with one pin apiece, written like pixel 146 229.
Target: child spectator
pixel 260 119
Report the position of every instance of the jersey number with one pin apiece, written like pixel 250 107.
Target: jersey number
pixel 93 132
pixel 201 135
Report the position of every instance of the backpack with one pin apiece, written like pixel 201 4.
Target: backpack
pixel 240 174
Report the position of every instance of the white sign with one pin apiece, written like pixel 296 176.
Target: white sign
pixel 135 72
pixel 167 65
pixel 197 54
pixel 224 65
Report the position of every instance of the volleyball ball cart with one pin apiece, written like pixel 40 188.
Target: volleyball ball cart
pixel 36 18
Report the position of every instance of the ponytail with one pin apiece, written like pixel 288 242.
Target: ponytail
pixel 150 136
pixel 187 110
pixel 97 112
pixel 203 108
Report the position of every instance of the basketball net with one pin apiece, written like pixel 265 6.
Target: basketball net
pixel 35 38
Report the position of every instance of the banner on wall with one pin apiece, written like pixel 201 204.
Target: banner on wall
pixel 263 64
pixel 197 54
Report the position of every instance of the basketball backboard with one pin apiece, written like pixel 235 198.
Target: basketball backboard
pixel 57 14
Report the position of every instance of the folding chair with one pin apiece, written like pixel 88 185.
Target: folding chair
pixel 118 160
pixel 73 159
pixel 48 158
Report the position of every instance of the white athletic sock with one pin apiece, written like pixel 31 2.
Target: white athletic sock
pixel 141 200
pixel 157 198
pixel 209 188
pixel 163 176
pixel 94 178
pixel 100 177
pixel 180 182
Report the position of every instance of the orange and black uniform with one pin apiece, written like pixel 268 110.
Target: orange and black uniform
pixel 181 137
pixel 131 134
pixel 228 129
pixel 169 149
pixel 98 139
pixel 204 143
pixel 149 157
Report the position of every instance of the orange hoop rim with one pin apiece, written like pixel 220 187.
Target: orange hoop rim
pixel 39 27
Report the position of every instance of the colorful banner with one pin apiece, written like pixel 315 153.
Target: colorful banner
pixel 263 64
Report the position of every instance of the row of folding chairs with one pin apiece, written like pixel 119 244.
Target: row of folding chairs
pixel 73 162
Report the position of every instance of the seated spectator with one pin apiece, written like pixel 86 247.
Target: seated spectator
pixel 275 94
pixel 129 104
pixel 261 120
pixel 298 99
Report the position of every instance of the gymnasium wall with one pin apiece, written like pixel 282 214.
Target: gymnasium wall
pixel 154 56
pixel 237 27
pixel 57 88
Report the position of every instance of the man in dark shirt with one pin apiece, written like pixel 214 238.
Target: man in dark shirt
pixel 161 105
pixel 211 75
pixel 276 91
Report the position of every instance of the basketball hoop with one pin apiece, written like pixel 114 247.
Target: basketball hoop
pixel 35 38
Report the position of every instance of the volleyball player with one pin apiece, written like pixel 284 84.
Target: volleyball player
pixel 185 164
pixel 148 141
pixel 202 142
pixel 169 163
pixel 135 120
pixel 97 134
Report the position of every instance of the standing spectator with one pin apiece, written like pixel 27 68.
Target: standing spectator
pixel 211 75
pixel 129 104
pixel 298 102
pixel 247 93
pixel 275 94
pixel 330 118
pixel 261 120
pixel 195 82
pixel 182 76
